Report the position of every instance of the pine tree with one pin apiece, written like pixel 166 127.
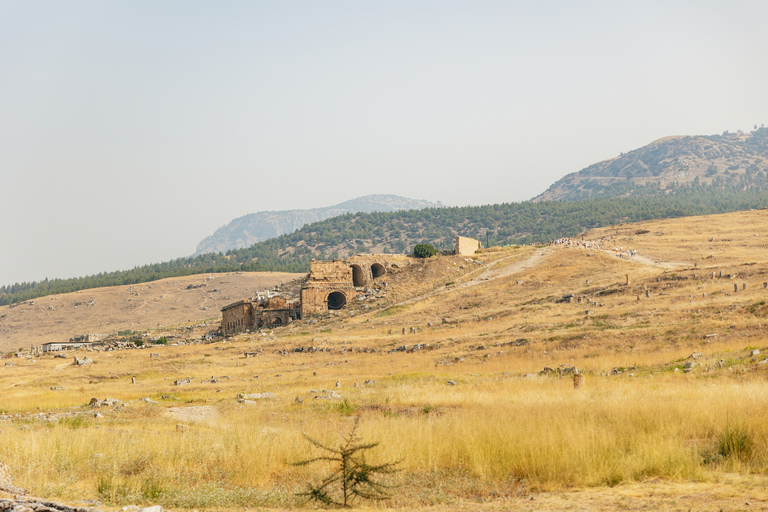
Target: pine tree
pixel 352 477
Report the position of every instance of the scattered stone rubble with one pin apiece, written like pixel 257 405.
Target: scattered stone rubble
pixel 378 291
pixel 41 505
pixel 313 349
pixel 327 394
pixel 413 348
pixel 246 397
pixel 95 403
pixel 6 485
pixel 19 504
pixel 563 369
pixel 37 505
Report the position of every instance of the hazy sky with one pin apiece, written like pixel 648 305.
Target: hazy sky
pixel 130 130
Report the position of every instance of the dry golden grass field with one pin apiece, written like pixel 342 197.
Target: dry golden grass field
pixel 673 413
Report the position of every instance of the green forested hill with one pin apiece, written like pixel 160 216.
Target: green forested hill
pixel 398 232
pixel 256 227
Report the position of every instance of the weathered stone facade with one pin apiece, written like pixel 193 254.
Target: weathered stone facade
pixel 245 314
pixel 367 267
pixel 65 345
pixel 237 316
pixel 466 246
pixel 275 312
pixel 329 286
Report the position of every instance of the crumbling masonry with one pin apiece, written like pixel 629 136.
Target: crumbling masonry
pixel 246 314
pixel 330 285
pixel 466 246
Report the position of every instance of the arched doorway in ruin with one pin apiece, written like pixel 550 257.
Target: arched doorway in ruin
pixel 336 300
pixel 358 276
pixel 377 270
pixel 277 322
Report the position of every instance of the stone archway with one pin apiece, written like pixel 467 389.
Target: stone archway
pixel 336 300
pixel 277 322
pixel 358 275
pixel 377 270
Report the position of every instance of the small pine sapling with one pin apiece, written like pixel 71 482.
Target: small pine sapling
pixel 352 477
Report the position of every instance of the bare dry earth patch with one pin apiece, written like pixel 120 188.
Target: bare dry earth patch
pixel 168 302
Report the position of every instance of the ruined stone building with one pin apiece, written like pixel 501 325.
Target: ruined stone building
pixel 65 345
pixel 237 316
pixel 247 314
pixel 466 246
pixel 330 285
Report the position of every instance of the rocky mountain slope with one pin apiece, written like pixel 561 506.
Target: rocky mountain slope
pixel 669 164
pixel 255 227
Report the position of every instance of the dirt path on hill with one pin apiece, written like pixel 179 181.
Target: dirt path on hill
pixel 489 273
pixel 492 270
pixel 646 260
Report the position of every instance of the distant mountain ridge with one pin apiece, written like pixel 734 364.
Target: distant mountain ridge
pixel 668 164
pixel 255 227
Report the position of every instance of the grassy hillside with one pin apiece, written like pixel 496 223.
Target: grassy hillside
pixel 671 414
pixel 398 232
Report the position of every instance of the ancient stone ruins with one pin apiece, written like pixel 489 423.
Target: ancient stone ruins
pixel 466 246
pixel 330 285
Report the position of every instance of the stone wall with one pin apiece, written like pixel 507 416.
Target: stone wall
pixel 276 303
pixel 466 246
pixel 368 267
pixel 245 314
pixel 276 317
pixel 237 316
pixel 329 287
pixel 329 271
